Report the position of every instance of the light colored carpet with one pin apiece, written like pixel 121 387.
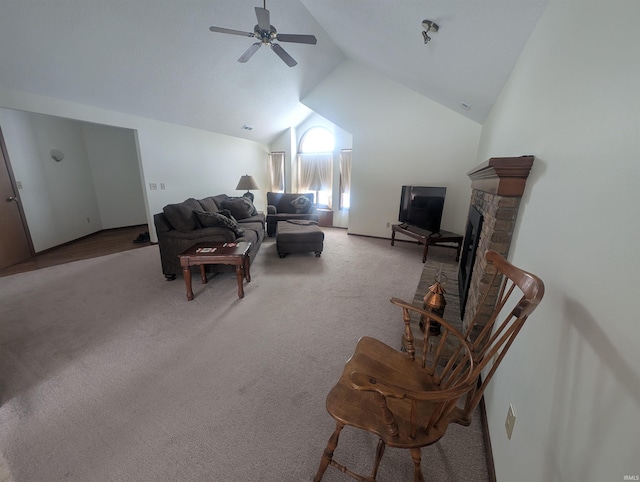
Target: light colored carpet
pixel 107 373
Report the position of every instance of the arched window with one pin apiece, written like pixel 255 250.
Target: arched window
pixel 317 139
pixel 315 164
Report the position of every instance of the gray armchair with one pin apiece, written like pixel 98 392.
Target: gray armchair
pixel 283 206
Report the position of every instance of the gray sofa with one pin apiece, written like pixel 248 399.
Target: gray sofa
pixel 283 206
pixel 215 219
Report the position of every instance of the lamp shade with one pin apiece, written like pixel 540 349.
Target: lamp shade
pixel 247 182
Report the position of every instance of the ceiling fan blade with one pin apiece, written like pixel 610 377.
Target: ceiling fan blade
pixel 301 39
pixel 249 52
pixel 231 31
pixel 263 19
pixel 280 52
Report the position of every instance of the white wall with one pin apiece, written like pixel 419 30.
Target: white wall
pixel 96 186
pixel 399 137
pixel 190 162
pixel 573 375
pixel 58 198
pixel 113 156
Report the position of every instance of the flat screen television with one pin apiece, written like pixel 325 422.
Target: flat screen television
pixel 422 206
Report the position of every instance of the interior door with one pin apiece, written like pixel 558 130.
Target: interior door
pixel 15 242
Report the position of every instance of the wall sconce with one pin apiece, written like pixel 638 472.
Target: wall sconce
pixel 429 26
pixel 56 155
pixel 247 182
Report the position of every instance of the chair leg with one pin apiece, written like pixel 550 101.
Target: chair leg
pixel 327 456
pixel 379 454
pixel 417 470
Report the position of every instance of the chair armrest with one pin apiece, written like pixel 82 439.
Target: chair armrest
pixel 271 209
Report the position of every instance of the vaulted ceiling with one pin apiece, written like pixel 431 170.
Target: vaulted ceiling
pixel 158 59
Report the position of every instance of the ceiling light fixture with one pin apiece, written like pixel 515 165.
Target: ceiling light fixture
pixel 429 26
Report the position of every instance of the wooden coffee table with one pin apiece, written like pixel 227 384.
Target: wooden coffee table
pixel 234 254
pixel 444 238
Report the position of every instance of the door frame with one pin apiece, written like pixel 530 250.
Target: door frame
pixel 14 185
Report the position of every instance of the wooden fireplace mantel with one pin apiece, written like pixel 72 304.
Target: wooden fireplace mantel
pixel 504 176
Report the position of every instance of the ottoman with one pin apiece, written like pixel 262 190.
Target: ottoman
pixel 298 236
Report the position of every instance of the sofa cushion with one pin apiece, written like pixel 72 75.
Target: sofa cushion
pixel 182 216
pixel 219 199
pixel 301 204
pixel 209 205
pixel 240 207
pixel 212 220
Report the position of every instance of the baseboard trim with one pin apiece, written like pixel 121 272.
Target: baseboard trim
pixel 491 468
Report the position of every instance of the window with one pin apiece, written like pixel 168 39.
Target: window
pixel 345 178
pixel 317 139
pixel 315 164
pixel 276 171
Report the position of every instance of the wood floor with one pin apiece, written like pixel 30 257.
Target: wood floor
pixel 104 242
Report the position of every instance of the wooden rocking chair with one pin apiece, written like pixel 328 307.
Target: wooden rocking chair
pixel 409 403
pixel 519 295
pixel 406 402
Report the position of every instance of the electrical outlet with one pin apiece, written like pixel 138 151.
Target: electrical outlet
pixel 388 224
pixel 19 184
pixel 162 186
pixel 510 421
pixel 88 220
pixel 153 186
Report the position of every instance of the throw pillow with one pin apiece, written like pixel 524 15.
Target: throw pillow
pixel 227 213
pixel 301 204
pixel 181 215
pixel 212 220
pixel 240 207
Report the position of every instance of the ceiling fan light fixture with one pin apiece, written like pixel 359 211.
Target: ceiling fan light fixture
pixel 265 33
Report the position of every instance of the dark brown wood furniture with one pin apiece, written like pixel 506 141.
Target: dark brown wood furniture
pixel 402 399
pixel 406 402
pixel 235 254
pixel 427 238
pixel 491 334
pixel 325 217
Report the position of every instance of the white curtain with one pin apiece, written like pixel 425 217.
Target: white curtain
pixel 345 178
pixel 315 172
pixel 276 171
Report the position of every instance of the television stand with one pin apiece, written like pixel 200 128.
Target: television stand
pixel 444 239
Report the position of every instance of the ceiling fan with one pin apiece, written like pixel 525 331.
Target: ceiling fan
pixel 266 34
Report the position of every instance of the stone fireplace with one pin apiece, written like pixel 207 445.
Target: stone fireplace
pixel 497 187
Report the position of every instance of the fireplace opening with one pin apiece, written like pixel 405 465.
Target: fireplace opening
pixel 468 256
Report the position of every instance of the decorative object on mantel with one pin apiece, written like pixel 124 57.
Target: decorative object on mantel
pixel 247 182
pixel 435 302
